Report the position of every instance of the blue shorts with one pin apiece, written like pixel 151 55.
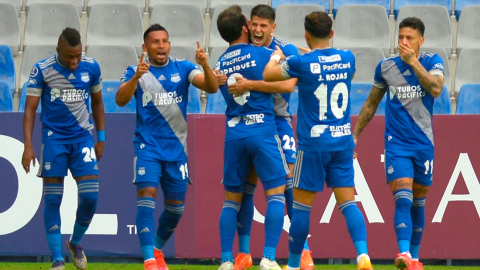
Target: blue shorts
pixel 312 169
pixel 285 132
pixel 56 159
pixel 416 164
pixel 172 175
pixel 264 152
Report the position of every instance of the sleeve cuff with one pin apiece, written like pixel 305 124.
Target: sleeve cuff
pixel 436 72
pixel 379 85
pixel 36 92
pixel 193 73
pixel 285 74
pixel 96 88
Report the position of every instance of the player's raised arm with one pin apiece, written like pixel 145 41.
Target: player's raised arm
pixel 272 71
pixel 207 81
pixel 368 110
pixel 127 89
pixel 28 156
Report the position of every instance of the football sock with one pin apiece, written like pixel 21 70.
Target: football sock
pixel 145 225
pixel 402 218
pixel 418 222
pixel 228 224
pixel 289 197
pixel 245 218
pixel 356 225
pixel 298 233
pixel 273 224
pixel 167 223
pixel 88 195
pixel 53 198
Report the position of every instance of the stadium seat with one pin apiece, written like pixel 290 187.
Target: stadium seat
pixel 324 3
pixel 468 68
pixel 400 3
pixel 77 3
pixel 442 103
pixel 184 52
pixel 358 95
pixel 23 99
pixel 194 105
pixel 31 56
pixel 446 64
pixel 139 3
pixel 216 103
pixel 7 67
pixel 468 32
pixel 338 3
pixel 293 103
pixel 460 4
pixel 16 3
pixel 215 54
pixel 362 26
pixel 9 27
pixel 290 22
pixel 45 22
pixel 215 3
pixel 6 98
pixel 366 60
pixel 438 31
pixel 202 4
pixel 109 91
pixel 113 60
pixel 184 23
pixel 115 24
pixel 215 39
pixel 469 99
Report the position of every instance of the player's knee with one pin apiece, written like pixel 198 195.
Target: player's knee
pixel 175 211
pixel 53 202
pixel 403 199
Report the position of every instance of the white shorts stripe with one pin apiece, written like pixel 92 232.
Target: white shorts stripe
pixel 297 171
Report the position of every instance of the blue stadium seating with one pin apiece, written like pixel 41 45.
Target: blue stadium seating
pixel 109 91
pixel 7 67
pixel 194 105
pixel 6 99
pixel 358 95
pixel 460 4
pixel 401 3
pixel 293 104
pixel 324 3
pixel 338 3
pixel 442 103
pixel 23 99
pixel 216 103
pixel 469 99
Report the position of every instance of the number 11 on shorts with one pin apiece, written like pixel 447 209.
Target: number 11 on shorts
pixel 184 170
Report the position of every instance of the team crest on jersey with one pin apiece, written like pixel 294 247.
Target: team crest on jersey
pixel 175 78
pixel 141 171
pixel 85 77
pixel 47 166
pixel 54 94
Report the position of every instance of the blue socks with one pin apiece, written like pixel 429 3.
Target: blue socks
pixel 145 225
pixel 289 197
pixel 228 225
pixel 88 195
pixel 402 219
pixel 273 224
pixel 299 229
pixel 356 225
pixel 245 218
pixel 418 223
pixel 53 194
pixel 167 223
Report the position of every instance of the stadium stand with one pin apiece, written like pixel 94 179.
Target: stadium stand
pixel 324 3
pixel 9 27
pixel 460 4
pixel 115 24
pixel 23 99
pixel 438 31
pixel 216 3
pixel 215 54
pixel 442 103
pixel 202 4
pixel 398 4
pixel 216 103
pixel 358 95
pixel 338 3
pixel 46 21
pixel 139 3
pixel 77 3
pixel 290 22
pixel 194 104
pixel 362 26
pixel 468 68
pixel 6 99
pixel 7 67
pixel 184 52
pixel 468 32
pixel 446 64
pixel 109 91
pixel 184 23
pixel 31 56
pixel 16 3
pixel 113 60
pixel 469 99
pixel 366 60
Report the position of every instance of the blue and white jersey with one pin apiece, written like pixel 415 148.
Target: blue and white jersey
pixel 251 113
pixel 408 113
pixel 162 98
pixel 324 80
pixel 65 97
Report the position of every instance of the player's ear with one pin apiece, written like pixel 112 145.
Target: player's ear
pixel 331 34
pixel 144 47
pixel 421 41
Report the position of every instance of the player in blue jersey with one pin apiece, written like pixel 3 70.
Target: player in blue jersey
pixel 324 133
pixel 411 80
pixel 64 83
pixel 160 86
pixel 251 139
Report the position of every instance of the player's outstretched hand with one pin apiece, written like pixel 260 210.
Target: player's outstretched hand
pixel 142 67
pixel 241 86
pixel 99 146
pixel 221 78
pixel 407 53
pixel 278 51
pixel 200 56
pixel 305 50
pixel 27 158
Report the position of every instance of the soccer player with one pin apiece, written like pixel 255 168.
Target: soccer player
pixel 64 84
pixel 324 136
pixel 160 86
pixel 412 81
pixel 251 138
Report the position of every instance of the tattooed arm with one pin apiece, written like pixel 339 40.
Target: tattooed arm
pixel 368 110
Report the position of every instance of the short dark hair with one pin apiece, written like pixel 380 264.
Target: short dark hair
pixel 72 36
pixel 153 27
pixel 263 11
pixel 414 23
pixel 230 23
pixel 318 24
